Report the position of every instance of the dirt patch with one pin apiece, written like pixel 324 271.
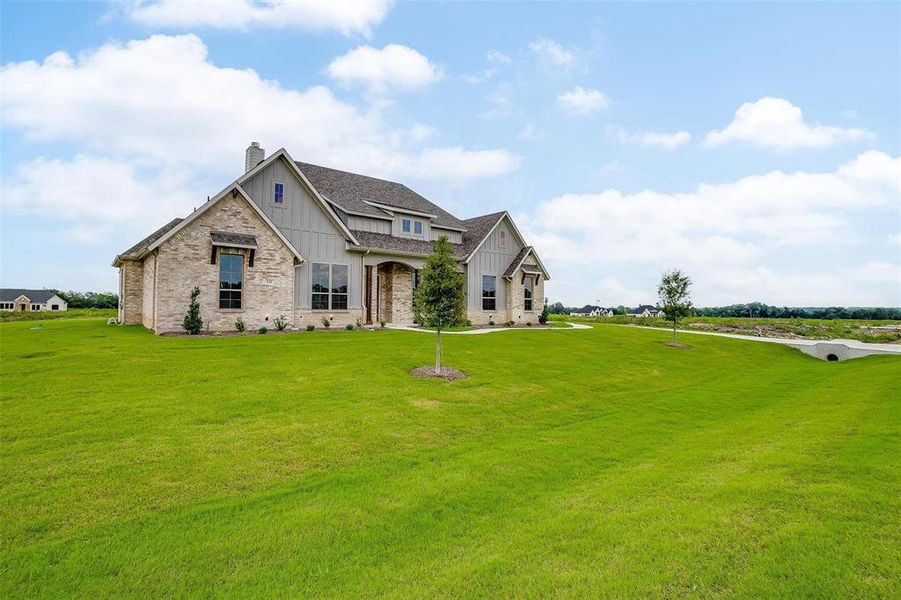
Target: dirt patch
pixel 445 373
pixel 676 345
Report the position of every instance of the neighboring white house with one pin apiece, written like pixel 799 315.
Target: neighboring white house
pixel 592 311
pixel 645 310
pixel 30 300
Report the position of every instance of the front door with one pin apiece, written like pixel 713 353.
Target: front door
pixel 22 307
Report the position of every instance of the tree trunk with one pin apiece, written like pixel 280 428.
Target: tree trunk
pixel 674 331
pixel 438 352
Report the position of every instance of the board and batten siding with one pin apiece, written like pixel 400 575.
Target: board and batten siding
pixel 454 237
pixel 491 259
pixel 369 225
pixel 307 226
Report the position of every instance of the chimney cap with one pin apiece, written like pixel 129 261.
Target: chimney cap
pixel 255 144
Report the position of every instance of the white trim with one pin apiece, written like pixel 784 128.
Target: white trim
pixel 448 228
pixel 283 154
pixel 355 213
pixel 209 204
pixel 523 259
pixel 399 209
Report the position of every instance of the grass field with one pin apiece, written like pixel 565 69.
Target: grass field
pixel 823 329
pixel 43 315
pixel 571 462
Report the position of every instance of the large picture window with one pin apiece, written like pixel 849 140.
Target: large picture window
pixel 489 292
pixel 231 280
pixel 330 286
pixel 527 287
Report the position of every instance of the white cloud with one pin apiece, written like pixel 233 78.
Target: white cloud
pixel 182 123
pixel 554 56
pixel 100 195
pixel 392 67
pixel 347 16
pixel 480 77
pixel 498 58
pixel 668 141
pixel 531 133
pixel 727 234
pixel 582 101
pixel 777 123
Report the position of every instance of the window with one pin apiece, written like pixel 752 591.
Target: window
pixel 405 225
pixel 279 195
pixel 527 286
pixel 417 227
pixel 489 292
pixel 35 307
pixel 54 307
pixel 502 239
pixel 330 286
pixel 231 280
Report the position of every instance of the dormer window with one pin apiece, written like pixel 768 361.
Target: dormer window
pixel 417 227
pixel 278 195
pixel 405 225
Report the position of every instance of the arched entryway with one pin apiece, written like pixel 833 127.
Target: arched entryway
pixel 389 287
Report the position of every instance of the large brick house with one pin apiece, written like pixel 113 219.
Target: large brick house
pixel 299 241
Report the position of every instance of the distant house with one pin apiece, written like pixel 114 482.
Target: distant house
pixel 592 311
pixel 30 300
pixel 645 310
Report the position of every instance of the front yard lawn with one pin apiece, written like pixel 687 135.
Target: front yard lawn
pixel 571 462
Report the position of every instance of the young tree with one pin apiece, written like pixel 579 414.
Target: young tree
pixel 192 323
pixel 439 297
pixel 674 296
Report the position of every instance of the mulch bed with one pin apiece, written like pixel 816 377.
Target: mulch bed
pixel 445 373
pixel 679 346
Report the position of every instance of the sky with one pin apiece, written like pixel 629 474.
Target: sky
pixel 755 146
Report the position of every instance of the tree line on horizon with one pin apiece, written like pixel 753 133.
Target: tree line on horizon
pixel 766 311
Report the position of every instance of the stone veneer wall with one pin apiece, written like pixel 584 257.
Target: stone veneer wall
pixel 149 287
pixel 516 297
pixel 513 311
pixel 131 273
pixel 396 294
pixel 183 261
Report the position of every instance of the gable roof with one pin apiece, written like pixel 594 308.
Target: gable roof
pixel 477 229
pixel 164 233
pixel 357 194
pixel 326 206
pixel 139 249
pixel 35 296
pixel 521 256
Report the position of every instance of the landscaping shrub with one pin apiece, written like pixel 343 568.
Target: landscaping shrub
pixel 311 327
pixel 192 323
pixel 239 325
pixel 490 323
pixel 281 323
pixel 468 323
pixel 325 322
pixel 263 330
pixel 545 313
pixel 528 323
pixel 349 327
pixel 359 323
pixel 508 324
pixel 382 323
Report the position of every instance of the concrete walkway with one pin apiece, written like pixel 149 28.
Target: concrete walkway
pixel 487 329
pixel 822 349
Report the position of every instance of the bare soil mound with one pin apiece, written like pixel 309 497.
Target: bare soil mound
pixel 445 373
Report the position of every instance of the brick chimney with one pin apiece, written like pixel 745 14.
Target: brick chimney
pixel 253 156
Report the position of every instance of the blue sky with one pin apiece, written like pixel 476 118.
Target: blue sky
pixel 756 145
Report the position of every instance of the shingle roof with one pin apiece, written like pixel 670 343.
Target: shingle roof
pixel 233 239
pixel 135 251
pixel 36 296
pixel 476 230
pixel 349 190
pixel 516 260
pixel 390 243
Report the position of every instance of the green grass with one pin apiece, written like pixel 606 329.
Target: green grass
pixel 45 315
pixel 849 329
pixel 570 463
